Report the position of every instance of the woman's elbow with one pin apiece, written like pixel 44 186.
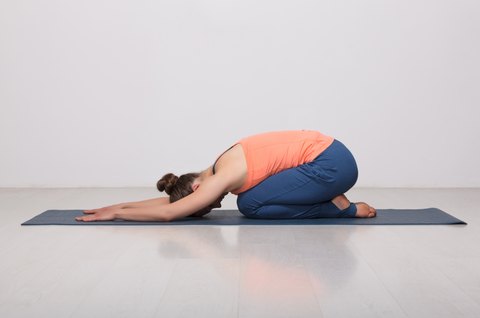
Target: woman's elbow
pixel 160 215
pixel 166 219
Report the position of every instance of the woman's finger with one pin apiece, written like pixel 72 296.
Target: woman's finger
pixel 102 214
pixel 87 218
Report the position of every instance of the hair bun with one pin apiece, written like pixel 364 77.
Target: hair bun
pixel 167 183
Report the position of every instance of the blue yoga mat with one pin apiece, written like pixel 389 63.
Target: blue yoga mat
pixel 430 216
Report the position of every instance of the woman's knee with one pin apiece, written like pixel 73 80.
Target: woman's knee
pixel 246 207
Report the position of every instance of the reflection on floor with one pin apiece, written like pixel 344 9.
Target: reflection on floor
pixel 238 271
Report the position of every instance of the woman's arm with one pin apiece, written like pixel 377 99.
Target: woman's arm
pixel 145 213
pixel 145 203
pixel 210 190
pixel 106 213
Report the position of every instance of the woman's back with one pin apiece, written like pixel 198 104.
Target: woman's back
pixel 259 156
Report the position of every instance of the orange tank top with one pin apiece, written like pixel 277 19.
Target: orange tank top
pixel 270 153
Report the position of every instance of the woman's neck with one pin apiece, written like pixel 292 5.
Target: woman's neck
pixel 206 173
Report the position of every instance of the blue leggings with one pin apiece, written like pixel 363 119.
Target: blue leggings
pixel 304 192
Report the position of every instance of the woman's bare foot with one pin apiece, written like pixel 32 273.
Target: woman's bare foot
pixel 363 209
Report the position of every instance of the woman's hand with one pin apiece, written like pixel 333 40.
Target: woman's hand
pixel 103 214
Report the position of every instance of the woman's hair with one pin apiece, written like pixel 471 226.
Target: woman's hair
pixel 177 187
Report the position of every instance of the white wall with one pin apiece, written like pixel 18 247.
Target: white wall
pixel 117 93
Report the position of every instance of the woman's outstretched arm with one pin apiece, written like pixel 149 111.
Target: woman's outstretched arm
pixel 210 190
pixel 108 211
pixel 145 213
pixel 145 203
pixel 138 204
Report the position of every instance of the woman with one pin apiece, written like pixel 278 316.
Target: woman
pixel 276 175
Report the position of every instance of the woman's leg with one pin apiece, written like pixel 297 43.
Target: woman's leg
pixel 305 191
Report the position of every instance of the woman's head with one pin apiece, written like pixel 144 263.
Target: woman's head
pixel 177 187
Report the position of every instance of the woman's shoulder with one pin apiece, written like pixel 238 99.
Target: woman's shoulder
pixel 232 165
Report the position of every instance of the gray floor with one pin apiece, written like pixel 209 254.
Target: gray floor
pixel 231 271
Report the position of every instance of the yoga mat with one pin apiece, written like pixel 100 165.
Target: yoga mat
pixel 430 216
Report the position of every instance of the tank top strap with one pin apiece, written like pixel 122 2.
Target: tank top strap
pixel 213 168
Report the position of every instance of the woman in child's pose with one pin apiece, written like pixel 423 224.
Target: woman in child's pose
pixel 276 175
